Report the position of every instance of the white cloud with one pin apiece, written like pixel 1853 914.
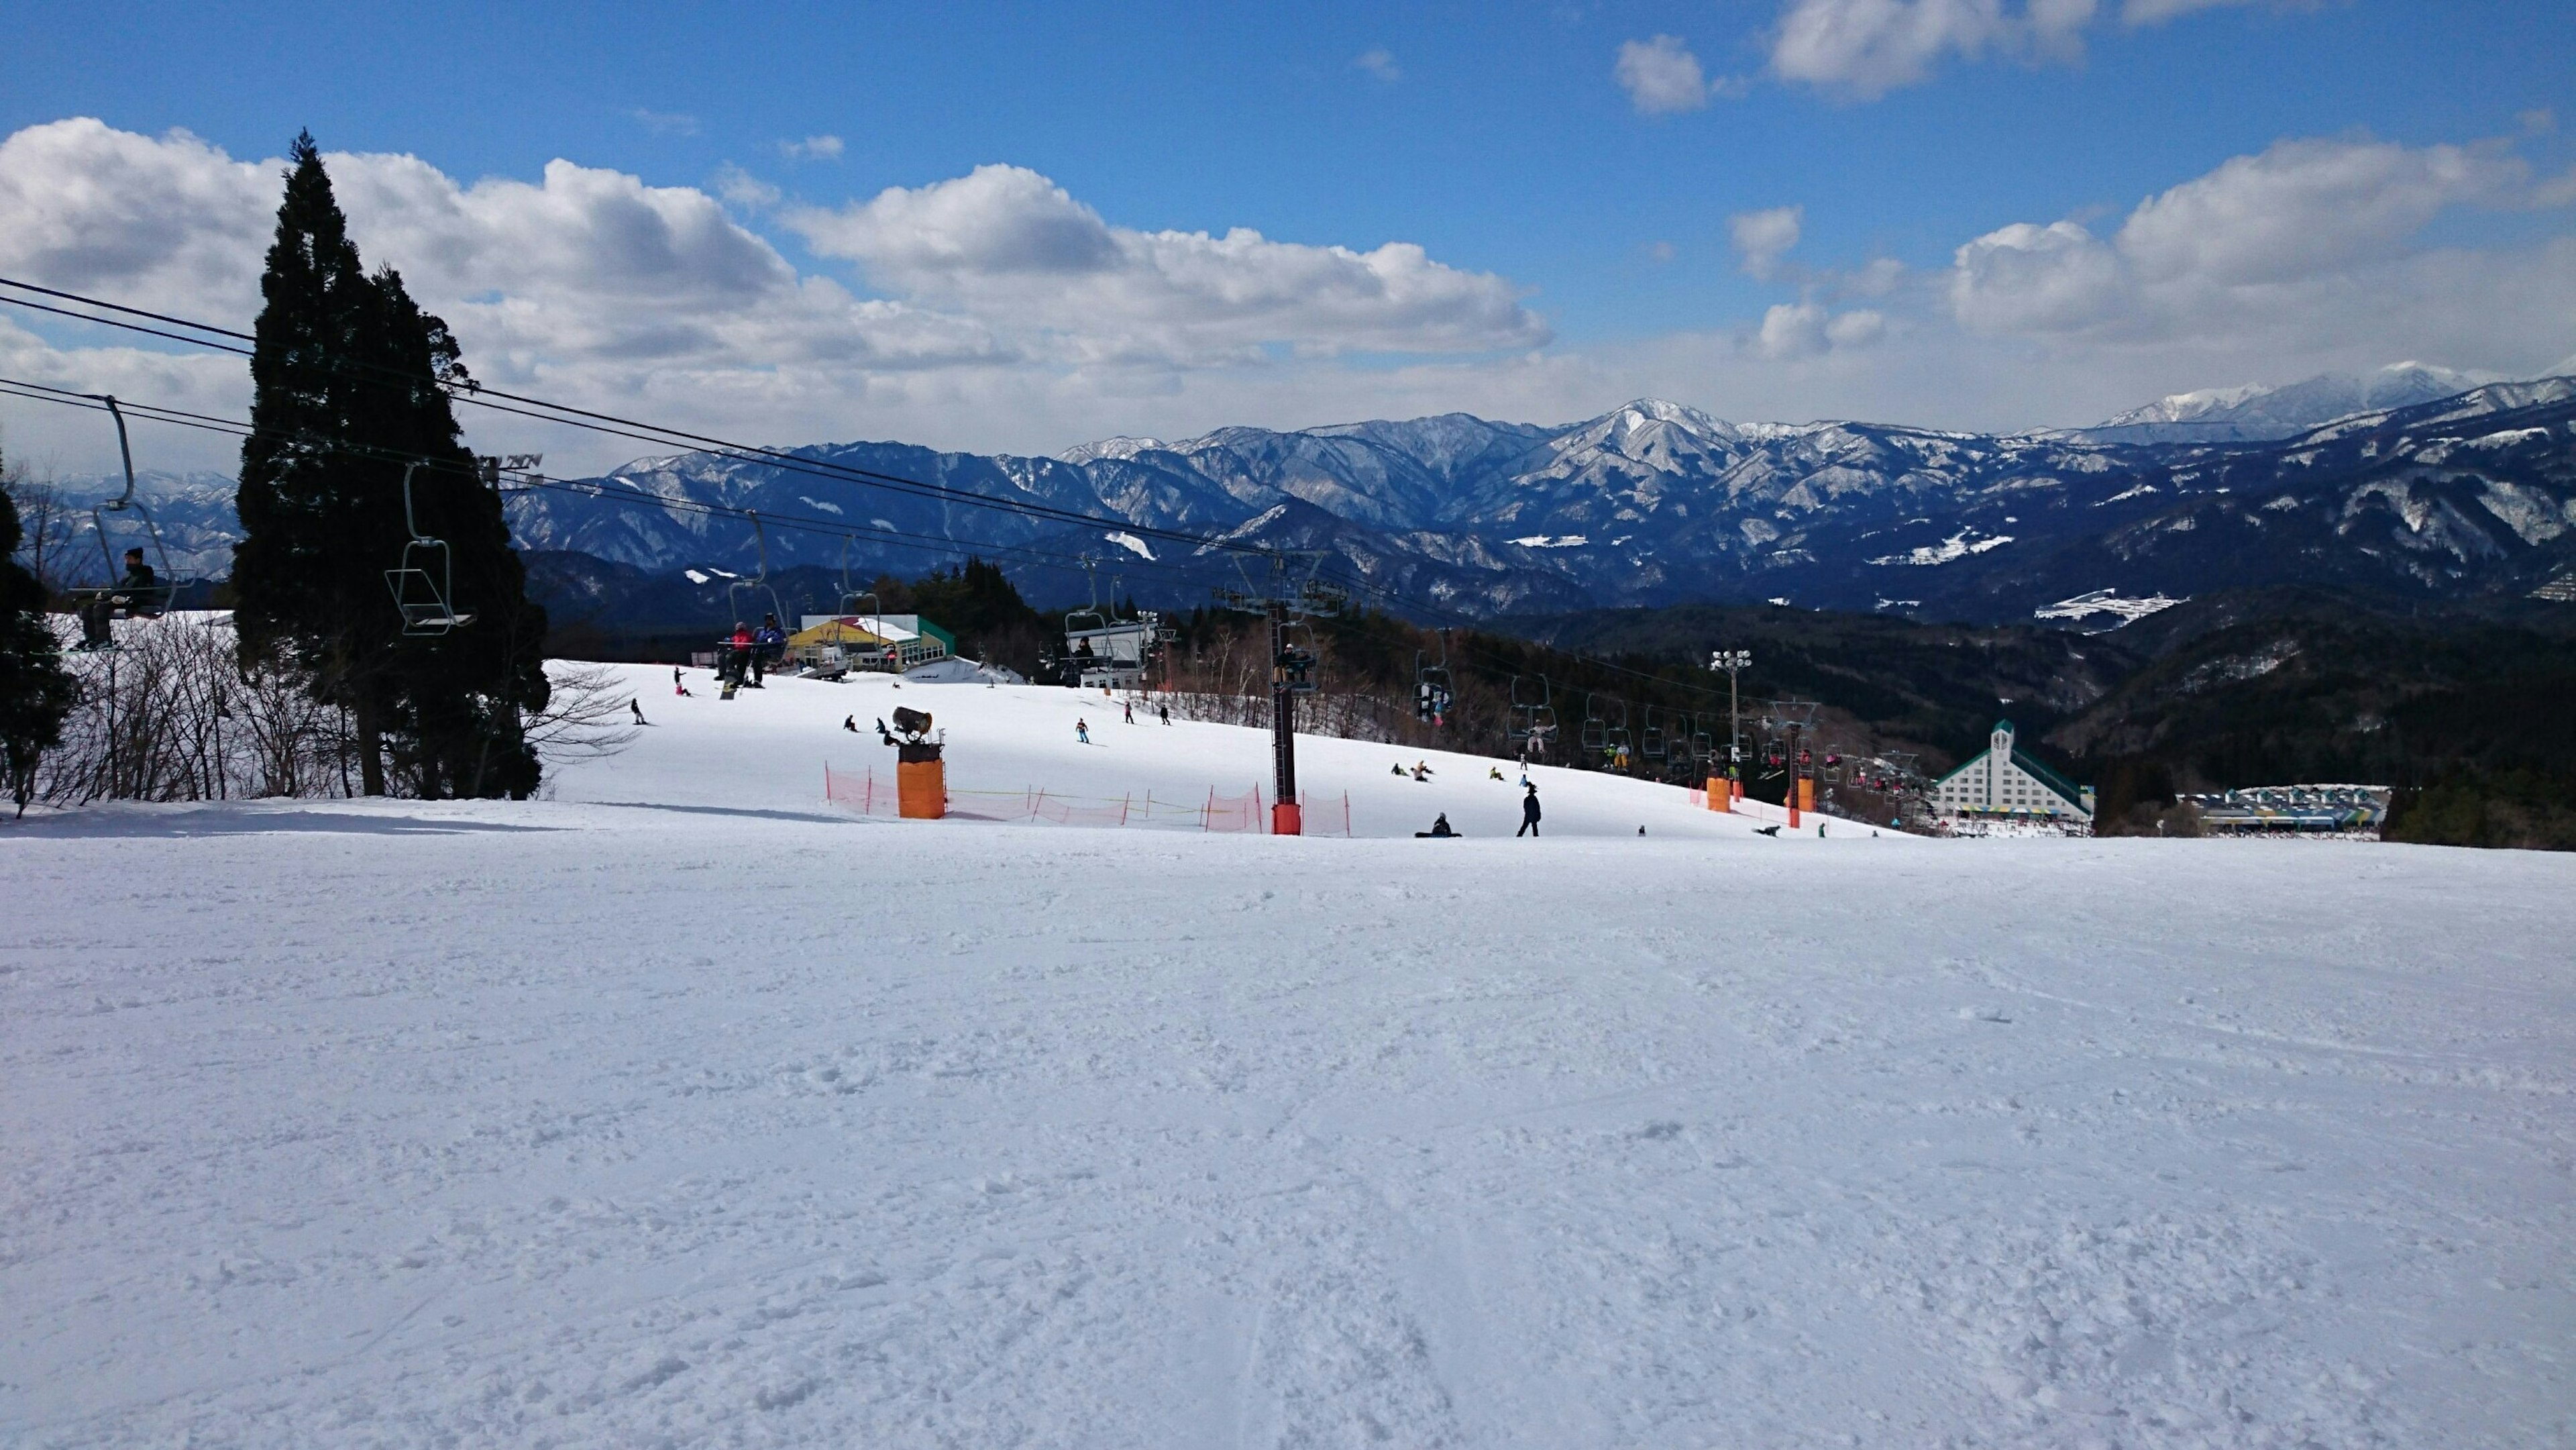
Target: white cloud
pixel 1013 316
pixel 2304 206
pixel 1761 237
pixel 2156 12
pixel 1379 62
pixel 813 148
pixel 1792 330
pixel 1866 48
pixel 1007 245
pixel 665 123
pixel 744 189
pixel 2025 278
pixel 1661 76
pixel 2248 237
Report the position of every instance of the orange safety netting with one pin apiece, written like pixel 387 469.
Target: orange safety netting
pixel 1234 813
pixel 1325 817
pixel 863 794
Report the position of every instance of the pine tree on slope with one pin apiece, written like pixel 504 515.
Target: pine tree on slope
pixel 35 690
pixel 346 375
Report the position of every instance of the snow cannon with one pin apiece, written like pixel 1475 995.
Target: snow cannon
pixel 920 775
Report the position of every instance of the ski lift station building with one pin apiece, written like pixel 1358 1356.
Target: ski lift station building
pixel 2006 783
pixel 870 641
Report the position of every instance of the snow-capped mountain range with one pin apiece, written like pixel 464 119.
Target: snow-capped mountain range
pixel 2255 412
pixel 1654 502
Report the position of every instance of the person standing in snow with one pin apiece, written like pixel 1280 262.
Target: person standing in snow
pixel 1082 731
pixel 1165 711
pixel 1130 708
pixel 1529 815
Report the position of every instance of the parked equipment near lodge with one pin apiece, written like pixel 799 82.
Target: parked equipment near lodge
pixel 921 774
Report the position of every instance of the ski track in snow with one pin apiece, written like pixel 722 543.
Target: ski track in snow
pixel 574 1123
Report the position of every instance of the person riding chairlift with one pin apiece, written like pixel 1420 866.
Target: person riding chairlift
pixel 139 594
pixel 738 650
pixel 768 644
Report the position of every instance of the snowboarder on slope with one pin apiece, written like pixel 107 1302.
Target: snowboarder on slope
pixel 637 705
pixel 1082 731
pixel 1529 814
pixel 1130 708
pixel 1165 711
pixel 1439 828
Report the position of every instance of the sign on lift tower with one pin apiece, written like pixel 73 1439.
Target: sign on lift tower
pixel 1286 601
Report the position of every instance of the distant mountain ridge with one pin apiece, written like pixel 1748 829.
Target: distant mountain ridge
pixel 1655 502
pixel 2255 412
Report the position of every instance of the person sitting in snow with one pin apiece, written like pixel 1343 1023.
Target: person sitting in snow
pixel 1395 770
pixel 1440 827
pixel 1420 774
pixel 850 723
pixel 1493 772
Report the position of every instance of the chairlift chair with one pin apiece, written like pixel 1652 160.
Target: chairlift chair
pixel 424 585
pixel 1595 735
pixel 1651 742
pixel 156 599
pixel 1615 738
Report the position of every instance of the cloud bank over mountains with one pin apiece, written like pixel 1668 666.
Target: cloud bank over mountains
pixel 996 311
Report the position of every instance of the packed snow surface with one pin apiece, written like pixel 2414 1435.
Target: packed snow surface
pixel 679 1110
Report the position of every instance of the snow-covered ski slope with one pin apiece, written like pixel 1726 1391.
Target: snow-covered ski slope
pixel 768 747
pixel 710 1117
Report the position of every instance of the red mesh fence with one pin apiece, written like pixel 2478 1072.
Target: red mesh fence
pixel 862 794
pixel 1325 817
pixel 865 793
pixel 1234 812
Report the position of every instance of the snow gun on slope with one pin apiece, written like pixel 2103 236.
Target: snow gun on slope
pixel 921 776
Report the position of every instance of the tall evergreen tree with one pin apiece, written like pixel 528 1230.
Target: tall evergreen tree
pixel 35 690
pixel 348 387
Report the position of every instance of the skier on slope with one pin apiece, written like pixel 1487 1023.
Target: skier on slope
pixel 1529 814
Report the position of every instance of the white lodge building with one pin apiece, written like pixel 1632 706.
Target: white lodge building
pixel 2007 784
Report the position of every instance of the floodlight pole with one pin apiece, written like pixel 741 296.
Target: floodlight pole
pixel 1732 661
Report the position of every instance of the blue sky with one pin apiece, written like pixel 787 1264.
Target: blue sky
pixel 1501 140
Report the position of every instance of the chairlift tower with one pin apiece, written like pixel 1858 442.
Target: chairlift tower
pixel 1285 600
pixel 1733 661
